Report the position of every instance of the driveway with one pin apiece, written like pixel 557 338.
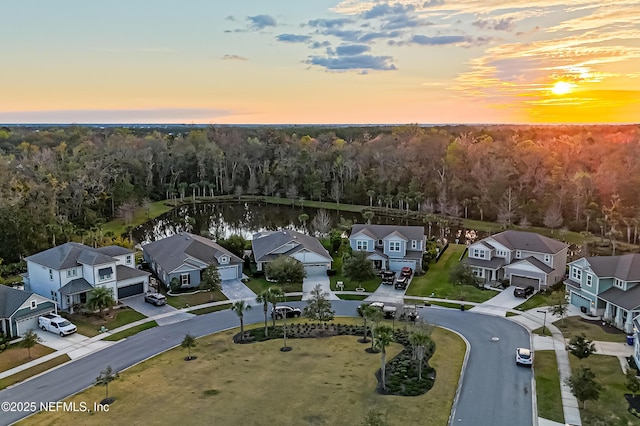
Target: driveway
pixel 137 303
pixel 310 282
pixel 388 294
pixel 236 290
pixel 500 303
pixel 57 342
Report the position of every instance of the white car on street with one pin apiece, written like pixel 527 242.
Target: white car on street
pixel 524 356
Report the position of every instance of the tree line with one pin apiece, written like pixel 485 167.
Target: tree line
pixel 59 182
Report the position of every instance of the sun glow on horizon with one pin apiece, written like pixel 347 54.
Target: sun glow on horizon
pixel 561 88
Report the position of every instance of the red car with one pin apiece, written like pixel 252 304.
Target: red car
pixel 406 272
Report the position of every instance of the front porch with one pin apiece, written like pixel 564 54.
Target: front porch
pixel 73 295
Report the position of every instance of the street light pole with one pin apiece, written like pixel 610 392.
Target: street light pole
pixel 544 320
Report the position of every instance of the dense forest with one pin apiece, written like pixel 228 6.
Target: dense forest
pixel 56 182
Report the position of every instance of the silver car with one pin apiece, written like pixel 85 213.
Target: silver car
pixel 156 299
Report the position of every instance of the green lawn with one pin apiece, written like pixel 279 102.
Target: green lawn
pixel 548 386
pixel 436 281
pixel 36 369
pixel 259 284
pixel 334 383
pixel 210 309
pixel 368 285
pixel 89 325
pixel 131 331
pixel 539 299
pixel 186 300
pixel 573 326
pixel 611 407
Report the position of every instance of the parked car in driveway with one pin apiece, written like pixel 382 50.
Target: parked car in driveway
pixel 56 324
pixel 524 292
pixel 284 310
pixel 156 299
pixel 406 272
pixel 524 356
pixel 401 283
pixel 388 277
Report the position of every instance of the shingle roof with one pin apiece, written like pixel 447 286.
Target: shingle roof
pixel 628 300
pixel 124 272
pixel 625 267
pixel 79 285
pixel 173 251
pixel 495 263
pixel 380 231
pixel 11 299
pixel 535 262
pixel 69 255
pixel 265 243
pixel 114 250
pixel 530 241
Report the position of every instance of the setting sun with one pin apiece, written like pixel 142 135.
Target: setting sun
pixel 561 88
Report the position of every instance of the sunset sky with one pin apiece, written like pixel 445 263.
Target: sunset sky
pixel 320 61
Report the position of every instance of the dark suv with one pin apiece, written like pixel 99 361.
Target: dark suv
pixel 523 292
pixel 401 283
pixel 283 310
pixel 388 277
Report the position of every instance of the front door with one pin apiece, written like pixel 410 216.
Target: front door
pixel 377 264
pixel 83 298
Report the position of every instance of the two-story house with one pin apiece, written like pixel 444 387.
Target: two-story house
pixel 68 272
pixel 607 286
pixel 19 310
pixel 308 250
pixel 391 247
pixel 523 258
pixel 184 256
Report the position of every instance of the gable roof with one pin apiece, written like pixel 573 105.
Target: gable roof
pixel 625 267
pixel 173 251
pixel 263 244
pixel 379 232
pixel 529 241
pixel 533 261
pixel 70 255
pixel 628 300
pixel 11 299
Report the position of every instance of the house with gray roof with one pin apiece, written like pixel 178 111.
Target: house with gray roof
pixel 522 258
pixel 308 250
pixel 19 310
pixel 184 256
pixel 390 247
pixel 68 272
pixel 606 286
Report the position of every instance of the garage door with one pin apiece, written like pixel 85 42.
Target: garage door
pixel 397 265
pixel 130 290
pixel 519 281
pixel 228 273
pixel 579 301
pixel 25 324
pixel 313 270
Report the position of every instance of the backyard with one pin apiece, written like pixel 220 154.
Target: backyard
pixel 321 381
pixel 435 283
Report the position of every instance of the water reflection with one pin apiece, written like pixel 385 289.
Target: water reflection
pixel 219 221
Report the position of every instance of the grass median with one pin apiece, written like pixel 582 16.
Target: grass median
pixel 321 381
pixel 130 331
pixel 548 386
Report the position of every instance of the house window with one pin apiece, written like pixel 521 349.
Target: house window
pixel 54 296
pixel 34 304
pixel 50 275
pixel 547 258
pixel 128 259
pixel 379 242
pixel 185 279
pixel 105 274
pixel 501 253
pixel 619 283
pixel 518 254
pixel 72 273
pixel 361 245
pixel 478 273
pixel 576 274
pixel 414 244
pixel 589 280
pixel 224 259
pixel 478 254
pixel 394 246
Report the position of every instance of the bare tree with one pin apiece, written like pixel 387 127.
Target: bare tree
pixel 321 223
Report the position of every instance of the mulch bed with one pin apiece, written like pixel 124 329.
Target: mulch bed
pixel 634 404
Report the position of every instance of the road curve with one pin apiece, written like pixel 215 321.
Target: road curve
pixel 494 391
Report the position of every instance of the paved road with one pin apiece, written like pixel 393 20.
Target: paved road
pixel 495 392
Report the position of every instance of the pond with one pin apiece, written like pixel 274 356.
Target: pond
pixel 221 220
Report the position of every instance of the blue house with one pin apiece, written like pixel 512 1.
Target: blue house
pixel 391 247
pixel 19 310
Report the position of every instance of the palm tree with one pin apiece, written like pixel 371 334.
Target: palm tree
pixel 238 308
pixel 275 295
pixel 383 337
pixel 100 298
pixel 367 312
pixel 265 297
pixel 419 340
pixel 370 194
pixel 429 219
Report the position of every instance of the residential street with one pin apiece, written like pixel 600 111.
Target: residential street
pixel 495 391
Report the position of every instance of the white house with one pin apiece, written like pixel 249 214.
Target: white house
pixel 66 273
